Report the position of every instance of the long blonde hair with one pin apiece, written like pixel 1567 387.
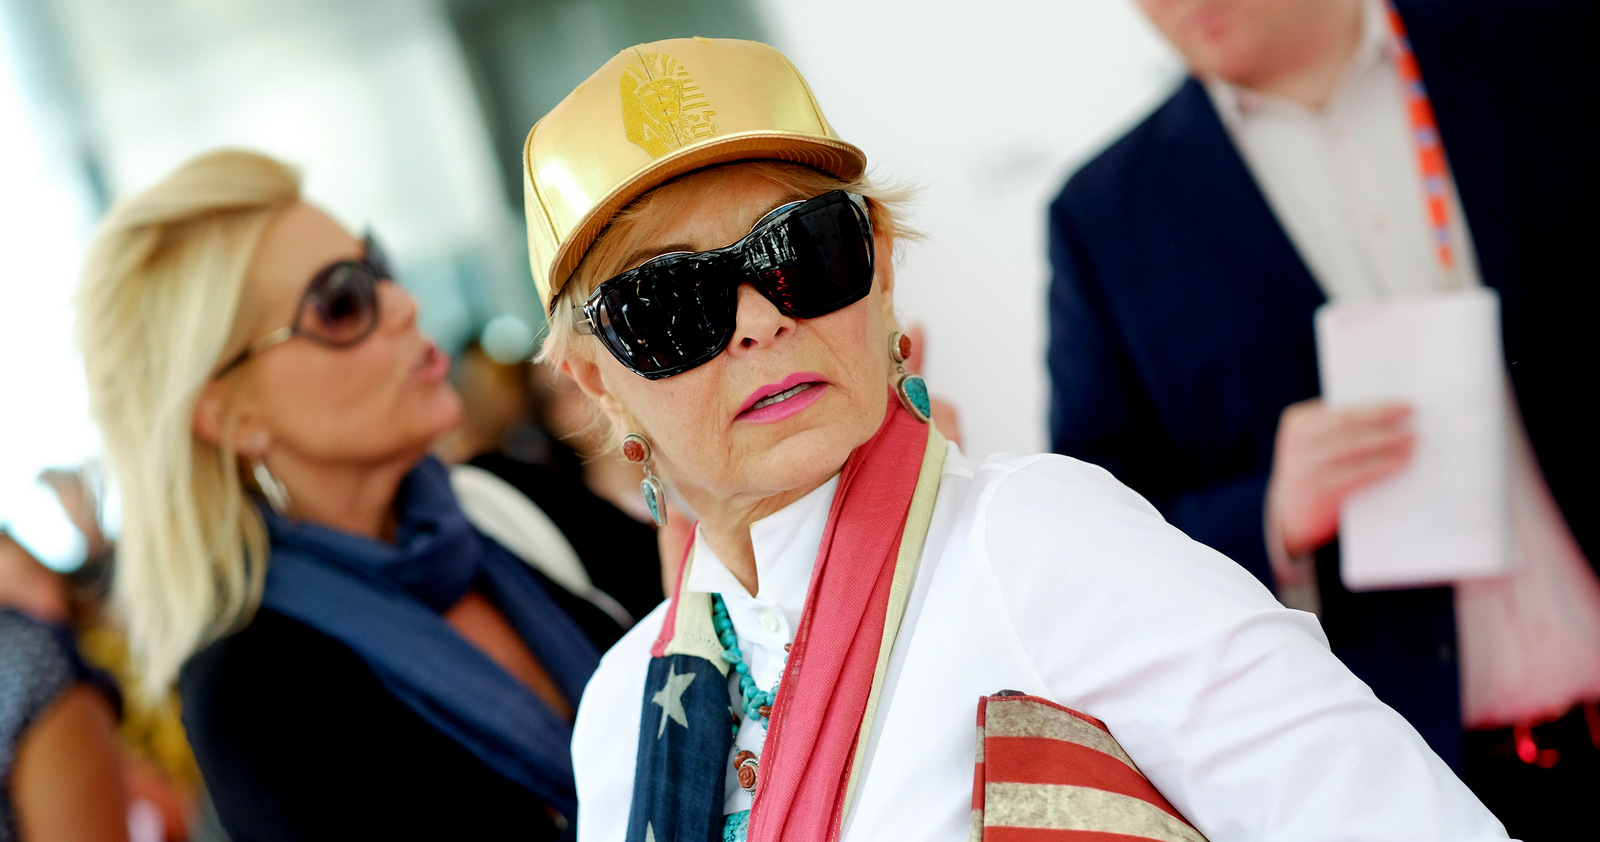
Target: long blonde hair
pixel 157 307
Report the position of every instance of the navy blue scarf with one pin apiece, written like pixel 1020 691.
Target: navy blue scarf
pixel 385 602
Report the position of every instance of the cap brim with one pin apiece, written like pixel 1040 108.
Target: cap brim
pixel 834 157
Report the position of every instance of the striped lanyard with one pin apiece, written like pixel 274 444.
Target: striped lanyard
pixel 1430 152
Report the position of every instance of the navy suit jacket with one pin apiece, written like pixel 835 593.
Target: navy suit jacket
pixel 1181 314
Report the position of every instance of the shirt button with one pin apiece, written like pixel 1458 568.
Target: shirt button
pixel 769 621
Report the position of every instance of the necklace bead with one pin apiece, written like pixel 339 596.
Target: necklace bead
pixel 757 703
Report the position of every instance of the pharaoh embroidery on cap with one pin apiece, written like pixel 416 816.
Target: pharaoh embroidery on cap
pixel 662 107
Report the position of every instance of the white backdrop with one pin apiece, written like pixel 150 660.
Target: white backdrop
pixel 987 107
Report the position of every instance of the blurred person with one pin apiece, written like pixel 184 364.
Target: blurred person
pixel 355 659
pixel 719 276
pixel 159 769
pixel 506 432
pixel 29 586
pixel 1300 164
pixel 496 403
pixel 60 767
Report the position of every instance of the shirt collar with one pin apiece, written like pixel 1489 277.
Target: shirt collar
pixel 1375 49
pixel 785 543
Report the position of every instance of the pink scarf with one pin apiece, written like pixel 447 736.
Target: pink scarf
pixel 811 739
pixel 817 716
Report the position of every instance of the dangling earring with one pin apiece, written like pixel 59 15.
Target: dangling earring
pixel 636 449
pixel 277 493
pixel 912 389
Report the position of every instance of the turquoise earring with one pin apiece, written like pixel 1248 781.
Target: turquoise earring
pixel 636 449
pixel 912 389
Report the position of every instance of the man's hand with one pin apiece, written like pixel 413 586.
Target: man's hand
pixel 1323 455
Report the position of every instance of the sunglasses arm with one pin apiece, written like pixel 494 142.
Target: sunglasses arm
pixel 276 337
pixel 585 325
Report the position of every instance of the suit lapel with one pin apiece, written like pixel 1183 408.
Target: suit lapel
pixel 1211 184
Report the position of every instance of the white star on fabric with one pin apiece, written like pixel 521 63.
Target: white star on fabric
pixel 670 698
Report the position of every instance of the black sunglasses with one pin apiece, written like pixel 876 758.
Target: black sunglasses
pixel 339 308
pixel 679 310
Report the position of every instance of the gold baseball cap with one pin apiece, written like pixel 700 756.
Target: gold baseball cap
pixel 654 112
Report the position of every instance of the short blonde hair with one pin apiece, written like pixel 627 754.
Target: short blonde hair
pixel 158 305
pixel 618 241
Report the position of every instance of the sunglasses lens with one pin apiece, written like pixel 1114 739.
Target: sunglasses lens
pixel 667 317
pixel 341 306
pixel 817 261
pixel 678 311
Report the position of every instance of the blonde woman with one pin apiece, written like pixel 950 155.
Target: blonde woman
pixel 355 659
pixel 720 281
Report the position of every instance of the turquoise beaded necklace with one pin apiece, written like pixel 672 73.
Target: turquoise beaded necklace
pixel 757 704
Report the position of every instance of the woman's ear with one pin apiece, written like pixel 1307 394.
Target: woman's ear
pixel 590 380
pixel 210 417
pixel 216 418
pixel 883 273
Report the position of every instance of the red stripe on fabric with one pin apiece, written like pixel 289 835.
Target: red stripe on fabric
pixel 1430 152
pixel 1436 210
pixel 1432 159
pixel 1409 67
pixel 669 624
pixel 1037 760
pixel 977 774
pixel 1039 834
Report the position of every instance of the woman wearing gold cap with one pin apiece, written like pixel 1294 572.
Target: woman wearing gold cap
pixel 719 278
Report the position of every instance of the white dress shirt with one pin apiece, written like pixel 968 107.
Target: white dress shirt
pixel 1043 574
pixel 1346 186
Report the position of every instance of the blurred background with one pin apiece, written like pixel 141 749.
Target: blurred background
pixel 408 116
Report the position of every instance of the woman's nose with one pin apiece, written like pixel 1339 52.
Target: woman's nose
pixel 758 323
pixel 397 309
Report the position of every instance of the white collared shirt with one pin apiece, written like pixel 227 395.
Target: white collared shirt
pixel 1043 574
pixel 1346 186
pixel 785 545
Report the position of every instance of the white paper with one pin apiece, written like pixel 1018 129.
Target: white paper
pixel 1445 516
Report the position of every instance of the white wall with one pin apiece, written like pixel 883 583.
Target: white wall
pixel 988 107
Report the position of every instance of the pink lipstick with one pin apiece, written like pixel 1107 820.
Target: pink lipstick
pixel 784 399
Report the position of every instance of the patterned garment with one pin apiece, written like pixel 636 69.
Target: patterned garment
pixel 822 716
pixel 683 750
pixel 37 665
pixel 1046 773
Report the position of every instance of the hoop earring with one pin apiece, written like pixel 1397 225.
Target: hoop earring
pixel 636 449
pixel 277 493
pixel 912 389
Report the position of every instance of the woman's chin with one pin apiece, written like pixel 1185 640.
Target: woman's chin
pixel 803 460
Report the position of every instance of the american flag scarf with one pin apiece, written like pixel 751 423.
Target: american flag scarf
pixel 817 731
pixel 1047 773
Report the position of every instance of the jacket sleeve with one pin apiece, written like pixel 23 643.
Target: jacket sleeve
pixel 1103 411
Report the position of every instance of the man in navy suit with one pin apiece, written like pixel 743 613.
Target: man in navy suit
pixel 1188 259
